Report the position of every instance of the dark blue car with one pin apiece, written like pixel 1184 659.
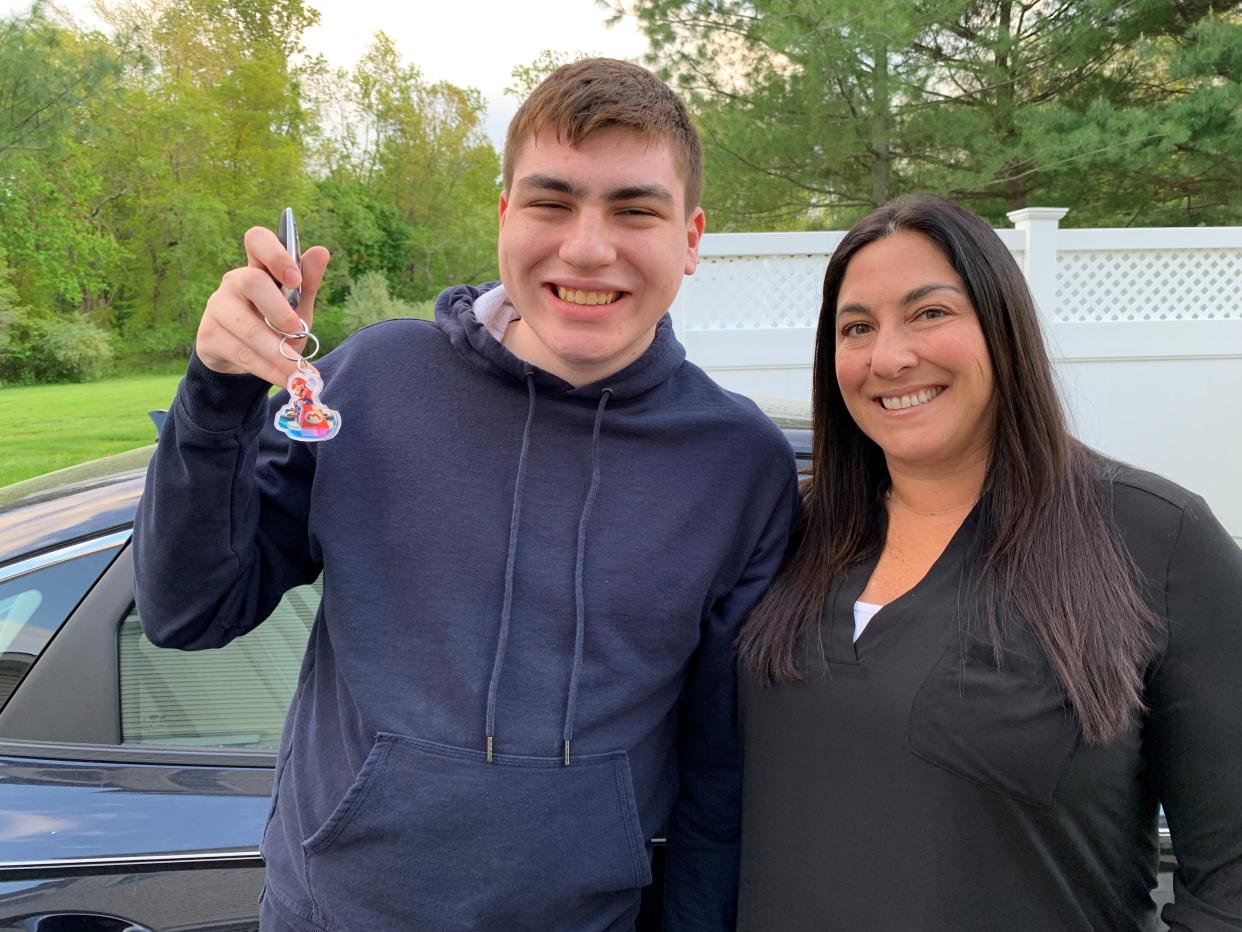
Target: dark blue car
pixel 134 781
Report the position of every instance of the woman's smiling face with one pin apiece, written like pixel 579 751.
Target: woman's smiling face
pixel 912 363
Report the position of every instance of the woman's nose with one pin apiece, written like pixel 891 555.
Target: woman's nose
pixel 892 352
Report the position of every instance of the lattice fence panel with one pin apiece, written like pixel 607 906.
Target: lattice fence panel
pixel 1149 284
pixel 753 292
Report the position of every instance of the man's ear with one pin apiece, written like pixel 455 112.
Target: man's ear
pixel 502 206
pixel 694 235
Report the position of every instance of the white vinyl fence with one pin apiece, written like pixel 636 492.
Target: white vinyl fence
pixel 1145 327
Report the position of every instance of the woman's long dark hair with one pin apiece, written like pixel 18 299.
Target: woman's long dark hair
pixel 1049 550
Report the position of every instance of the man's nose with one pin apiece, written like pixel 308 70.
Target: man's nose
pixel 892 352
pixel 587 243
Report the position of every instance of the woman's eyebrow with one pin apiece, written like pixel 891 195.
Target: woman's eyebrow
pixel 924 290
pixel 910 297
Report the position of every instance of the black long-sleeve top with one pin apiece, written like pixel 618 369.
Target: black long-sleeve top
pixel 914 785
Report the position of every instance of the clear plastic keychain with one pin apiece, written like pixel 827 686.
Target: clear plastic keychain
pixel 305 417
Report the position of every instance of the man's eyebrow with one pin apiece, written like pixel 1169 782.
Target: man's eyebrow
pixel 541 182
pixel 630 192
pixel 635 192
pixel 914 294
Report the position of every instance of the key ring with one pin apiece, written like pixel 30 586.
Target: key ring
pixel 299 334
pixel 302 359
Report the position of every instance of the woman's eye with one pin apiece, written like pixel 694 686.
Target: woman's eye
pixel 933 313
pixel 856 329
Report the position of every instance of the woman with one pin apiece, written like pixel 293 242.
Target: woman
pixel 991 652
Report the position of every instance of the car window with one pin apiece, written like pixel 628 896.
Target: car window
pixel 233 696
pixel 33 606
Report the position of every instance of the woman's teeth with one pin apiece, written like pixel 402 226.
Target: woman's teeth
pixel 910 401
pixel 573 296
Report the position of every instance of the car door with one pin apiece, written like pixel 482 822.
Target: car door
pixel 134 781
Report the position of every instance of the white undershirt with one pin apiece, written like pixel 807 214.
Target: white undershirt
pixel 863 613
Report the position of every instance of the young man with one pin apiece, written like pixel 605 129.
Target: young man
pixel 532 579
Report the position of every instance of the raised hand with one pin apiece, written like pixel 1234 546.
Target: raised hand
pixel 233 336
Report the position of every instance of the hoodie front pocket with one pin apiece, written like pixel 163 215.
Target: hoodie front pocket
pixel 434 837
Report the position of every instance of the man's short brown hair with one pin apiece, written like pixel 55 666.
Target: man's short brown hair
pixel 577 99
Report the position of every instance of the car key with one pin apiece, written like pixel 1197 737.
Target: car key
pixel 305 417
pixel 287 233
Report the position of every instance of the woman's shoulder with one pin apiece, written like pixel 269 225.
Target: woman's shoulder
pixel 1160 521
pixel 1142 491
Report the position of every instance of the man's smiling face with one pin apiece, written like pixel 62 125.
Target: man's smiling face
pixel 594 241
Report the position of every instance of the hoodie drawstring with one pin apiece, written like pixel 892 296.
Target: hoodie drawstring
pixel 571 706
pixel 502 639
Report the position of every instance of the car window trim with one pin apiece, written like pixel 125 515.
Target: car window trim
pixel 63 554
pixel 166 755
pixel 131 863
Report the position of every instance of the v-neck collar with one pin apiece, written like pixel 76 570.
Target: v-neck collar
pixel 837 625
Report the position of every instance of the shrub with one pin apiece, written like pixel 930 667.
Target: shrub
pixel 154 343
pixel 426 310
pixel 64 350
pixel 329 324
pixel 369 302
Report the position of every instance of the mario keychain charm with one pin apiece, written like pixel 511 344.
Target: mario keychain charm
pixel 305 417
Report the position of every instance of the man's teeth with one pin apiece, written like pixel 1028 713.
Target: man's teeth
pixel 911 401
pixel 574 296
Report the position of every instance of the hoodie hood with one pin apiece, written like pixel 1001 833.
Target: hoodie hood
pixel 456 318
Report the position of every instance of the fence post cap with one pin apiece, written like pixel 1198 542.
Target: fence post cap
pixel 1028 214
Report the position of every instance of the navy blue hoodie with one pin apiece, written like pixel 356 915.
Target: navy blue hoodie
pixel 517 574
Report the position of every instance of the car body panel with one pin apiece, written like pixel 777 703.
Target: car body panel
pixel 186 899
pixel 54 813
pixel 73 503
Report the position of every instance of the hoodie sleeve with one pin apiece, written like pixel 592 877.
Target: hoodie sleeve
pixel 701 875
pixel 1194 732
pixel 220 534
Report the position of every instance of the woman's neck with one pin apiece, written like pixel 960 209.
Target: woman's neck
pixel 931 492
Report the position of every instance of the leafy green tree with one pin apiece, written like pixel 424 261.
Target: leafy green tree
pixel 58 259
pixel 1185 170
pixel 46 74
pixel 131 163
pixel 411 178
pixel 11 314
pixel 814 113
pixel 207 141
pixel 526 78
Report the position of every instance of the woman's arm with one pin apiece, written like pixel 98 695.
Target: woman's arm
pixel 1194 731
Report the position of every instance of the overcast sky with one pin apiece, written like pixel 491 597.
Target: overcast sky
pixel 471 43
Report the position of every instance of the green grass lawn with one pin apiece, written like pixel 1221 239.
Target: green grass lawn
pixel 46 427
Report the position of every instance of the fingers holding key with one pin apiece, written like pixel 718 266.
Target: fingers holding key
pixel 240 328
pixel 233 335
pixel 314 265
pixel 221 350
pixel 265 251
